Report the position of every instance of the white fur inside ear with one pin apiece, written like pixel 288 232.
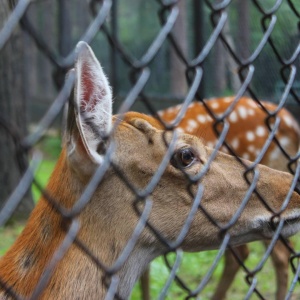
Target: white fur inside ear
pixel 94 100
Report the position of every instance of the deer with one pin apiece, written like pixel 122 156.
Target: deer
pixel 104 149
pixel 246 137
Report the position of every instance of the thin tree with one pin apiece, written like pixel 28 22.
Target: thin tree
pixel 13 109
pixel 177 68
pixel 243 28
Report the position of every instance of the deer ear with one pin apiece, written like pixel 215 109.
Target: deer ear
pixel 90 110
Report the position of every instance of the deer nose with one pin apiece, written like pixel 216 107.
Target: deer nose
pixel 297 187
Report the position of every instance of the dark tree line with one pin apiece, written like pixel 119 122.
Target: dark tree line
pixel 13 108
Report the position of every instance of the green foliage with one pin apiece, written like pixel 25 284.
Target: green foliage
pixel 50 147
pixel 8 234
pixel 42 177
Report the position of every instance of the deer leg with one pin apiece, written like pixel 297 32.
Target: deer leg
pixel 280 258
pixel 145 284
pixel 231 266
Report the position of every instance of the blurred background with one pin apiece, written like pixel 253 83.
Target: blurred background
pixel 135 24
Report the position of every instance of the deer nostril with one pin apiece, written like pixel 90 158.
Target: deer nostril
pixel 297 187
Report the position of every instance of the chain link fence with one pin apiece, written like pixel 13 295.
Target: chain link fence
pixel 103 18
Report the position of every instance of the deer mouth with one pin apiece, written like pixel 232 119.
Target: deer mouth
pixel 291 225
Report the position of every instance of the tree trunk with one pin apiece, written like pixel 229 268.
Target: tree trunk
pixel 234 81
pixel 177 68
pixel 13 109
pixel 219 74
pixel 243 28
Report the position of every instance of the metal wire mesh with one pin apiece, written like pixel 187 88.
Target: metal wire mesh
pixel 140 70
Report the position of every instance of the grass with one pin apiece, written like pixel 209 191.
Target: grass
pixel 50 147
pixel 193 267
pixel 44 171
pixel 8 234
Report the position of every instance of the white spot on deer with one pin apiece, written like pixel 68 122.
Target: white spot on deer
pixel 193 124
pixel 210 144
pixel 296 127
pixel 260 131
pixel 251 103
pixel 214 104
pixel 235 143
pixel 242 112
pixel 171 110
pixel 275 154
pixel 227 99
pixel 251 112
pixel 201 118
pixel 209 118
pixel 251 149
pixel 250 136
pixel 246 155
pixel 288 120
pixel 233 117
pixel 284 141
pixel 179 130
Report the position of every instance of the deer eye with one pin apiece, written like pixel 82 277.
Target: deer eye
pixel 183 158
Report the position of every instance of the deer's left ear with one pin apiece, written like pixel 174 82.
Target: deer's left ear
pixel 90 110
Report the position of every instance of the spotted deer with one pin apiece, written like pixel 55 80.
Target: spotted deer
pixel 247 135
pixel 133 145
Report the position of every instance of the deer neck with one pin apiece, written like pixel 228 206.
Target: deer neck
pixel 76 274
